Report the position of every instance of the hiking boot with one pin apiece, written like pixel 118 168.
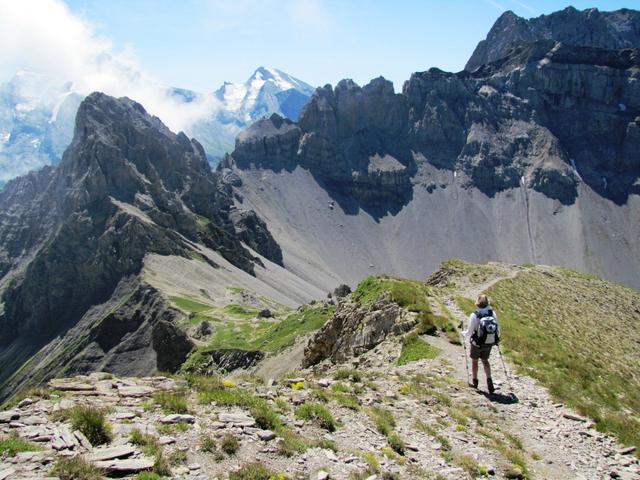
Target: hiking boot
pixel 474 383
pixel 490 386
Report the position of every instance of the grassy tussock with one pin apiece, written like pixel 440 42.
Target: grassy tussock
pixel 414 348
pixel 75 468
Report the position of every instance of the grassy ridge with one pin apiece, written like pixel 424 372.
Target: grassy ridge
pixel 578 335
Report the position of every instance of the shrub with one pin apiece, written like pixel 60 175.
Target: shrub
pixel 147 442
pixel 252 471
pixel 383 420
pixel 229 444
pixel 171 402
pixel 396 443
pixel 177 457
pixel 316 413
pixel 75 468
pixel 348 374
pixel 92 423
pixel 207 444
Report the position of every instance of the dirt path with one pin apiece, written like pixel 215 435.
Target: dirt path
pixel 567 446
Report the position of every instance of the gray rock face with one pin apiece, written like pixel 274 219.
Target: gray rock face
pixel 73 239
pixel 591 27
pixel 545 117
pixel 355 329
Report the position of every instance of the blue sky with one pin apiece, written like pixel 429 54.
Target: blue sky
pixel 198 44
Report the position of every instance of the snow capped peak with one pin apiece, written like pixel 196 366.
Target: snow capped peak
pixel 262 94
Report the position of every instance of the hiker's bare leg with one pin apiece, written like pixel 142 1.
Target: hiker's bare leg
pixel 474 368
pixel 487 368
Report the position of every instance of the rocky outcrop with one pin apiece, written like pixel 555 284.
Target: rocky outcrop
pixel 545 117
pixel 224 360
pixel 351 138
pixel 69 237
pixel 355 329
pixel 591 27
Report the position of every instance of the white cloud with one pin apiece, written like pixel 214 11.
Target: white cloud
pixel 44 35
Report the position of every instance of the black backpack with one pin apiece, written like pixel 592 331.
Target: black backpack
pixel 487 332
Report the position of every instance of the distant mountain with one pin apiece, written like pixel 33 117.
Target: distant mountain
pixel 37 115
pixel 36 122
pixel 267 91
pixel 591 27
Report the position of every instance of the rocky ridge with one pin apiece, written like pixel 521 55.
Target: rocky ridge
pixel 591 27
pixel 73 241
pixel 521 121
pixel 416 420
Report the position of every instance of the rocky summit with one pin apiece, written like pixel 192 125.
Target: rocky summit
pixel 74 239
pixel 591 27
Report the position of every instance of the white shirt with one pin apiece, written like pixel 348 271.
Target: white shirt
pixel 474 322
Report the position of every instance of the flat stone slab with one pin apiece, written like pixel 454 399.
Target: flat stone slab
pixel 6 473
pixel 33 420
pixel 6 417
pixel 166 440
pixel 177 418
pixel 135 391
pixel 265 435
pixel 237 419
pixel 132 465
pixel 67 386
pixel 110 453
pixel 125 415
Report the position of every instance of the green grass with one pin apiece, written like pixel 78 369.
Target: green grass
pixel 229 444
pixel 265 415
pixel 383 420
pixel 264 335
pixel 190 305
pixel 409 294
pixel 92 423
pixel 252 471
pixel 240 311
pixel 171 402
pixel 148 443
pixel 75 468
pixel 316 413
pixel 414 348
pixel 13 445
pixel 578 335
pixel 148 476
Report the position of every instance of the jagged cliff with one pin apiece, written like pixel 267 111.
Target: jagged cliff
pixel 73 240
pixel 524 120
pixel 532 158
pixel 591 27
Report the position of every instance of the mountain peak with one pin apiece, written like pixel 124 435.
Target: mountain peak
pixel 590 28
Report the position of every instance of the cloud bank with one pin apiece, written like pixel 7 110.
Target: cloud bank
pixel 44 35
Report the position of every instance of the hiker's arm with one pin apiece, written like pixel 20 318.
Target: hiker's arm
pixel 473 325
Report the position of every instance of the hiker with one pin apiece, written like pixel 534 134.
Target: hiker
pixel 484 333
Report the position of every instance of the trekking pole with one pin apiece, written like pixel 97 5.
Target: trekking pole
pixel 466 358
pixel 504 367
